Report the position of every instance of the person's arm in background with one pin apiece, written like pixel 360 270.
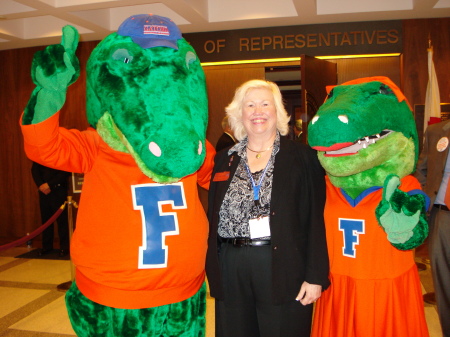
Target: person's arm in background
pixel 422 164
pixel 205 171
pixel 36 172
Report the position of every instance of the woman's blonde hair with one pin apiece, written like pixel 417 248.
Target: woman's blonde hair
pixel 234 109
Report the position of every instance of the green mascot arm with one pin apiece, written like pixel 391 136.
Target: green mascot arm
pixel 402 216
pixel 53 70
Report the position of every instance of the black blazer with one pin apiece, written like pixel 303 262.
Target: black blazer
pixel 224 141
pixel 299 249
pixel 431 164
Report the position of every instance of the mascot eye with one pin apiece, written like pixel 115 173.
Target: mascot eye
pixel 190 58
pixel 122 55
pixel 385 90
pixel 128 60
pixel 315 119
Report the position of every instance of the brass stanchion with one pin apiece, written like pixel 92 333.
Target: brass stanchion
pixel 421 266
pixel 430 298
pixel 66 285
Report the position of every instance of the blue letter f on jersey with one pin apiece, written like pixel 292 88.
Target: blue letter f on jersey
pixel 156 225
pixel 351 228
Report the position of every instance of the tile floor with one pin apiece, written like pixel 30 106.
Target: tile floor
pixel 32 306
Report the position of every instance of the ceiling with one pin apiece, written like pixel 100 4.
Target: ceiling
pixel 27 23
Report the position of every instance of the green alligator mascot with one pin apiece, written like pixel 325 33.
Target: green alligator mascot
pixel 375 212
pixel 140 240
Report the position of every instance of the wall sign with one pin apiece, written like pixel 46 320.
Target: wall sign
pixel 352 38
pixel 77 182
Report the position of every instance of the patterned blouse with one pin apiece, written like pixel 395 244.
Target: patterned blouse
pixel 238 206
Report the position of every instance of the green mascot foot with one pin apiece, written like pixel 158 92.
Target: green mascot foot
pixel 183 319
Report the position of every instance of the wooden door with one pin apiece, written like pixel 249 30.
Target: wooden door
pixel 316 74
pixel 222 82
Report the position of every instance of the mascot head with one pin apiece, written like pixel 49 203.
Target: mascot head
pixel 146 95
pixel 363 132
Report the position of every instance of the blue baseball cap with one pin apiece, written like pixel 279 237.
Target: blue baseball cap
pixel 148 30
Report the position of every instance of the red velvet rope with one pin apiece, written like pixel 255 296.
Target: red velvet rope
pixel 36 232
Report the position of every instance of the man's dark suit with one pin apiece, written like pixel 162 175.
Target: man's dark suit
pixel 50 203
pixel 430 171
pixel 224 141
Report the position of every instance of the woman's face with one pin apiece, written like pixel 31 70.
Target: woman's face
pixel 259 115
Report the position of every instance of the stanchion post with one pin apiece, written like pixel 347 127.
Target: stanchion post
pixel 70 203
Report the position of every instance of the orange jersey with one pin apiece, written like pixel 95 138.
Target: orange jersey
pixel 137 243
pixel 375 288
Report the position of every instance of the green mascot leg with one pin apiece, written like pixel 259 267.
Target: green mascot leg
pixel 184 319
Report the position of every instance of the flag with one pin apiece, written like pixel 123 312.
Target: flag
pixel 432 99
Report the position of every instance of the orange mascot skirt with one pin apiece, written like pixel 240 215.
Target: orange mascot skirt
pixel 375 288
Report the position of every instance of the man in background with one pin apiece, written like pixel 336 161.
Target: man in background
pixel 298 130
pixel 433 172
pixel 227 138
pixel 52 186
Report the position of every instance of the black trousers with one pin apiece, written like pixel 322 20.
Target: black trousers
pixel 49 204
pixel 248 309
pixel 439 248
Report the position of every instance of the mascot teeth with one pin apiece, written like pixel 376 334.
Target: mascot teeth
pixel 361 143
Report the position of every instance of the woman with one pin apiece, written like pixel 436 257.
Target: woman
pixel 267 259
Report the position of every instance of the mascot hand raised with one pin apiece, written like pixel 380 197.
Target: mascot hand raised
pixel 52 70
pixel 401 215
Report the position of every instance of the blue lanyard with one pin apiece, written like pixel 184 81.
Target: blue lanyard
pixel 257 188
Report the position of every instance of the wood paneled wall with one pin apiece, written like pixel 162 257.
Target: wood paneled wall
pixel 19 196
pixel 352 68
pixel 19 212
pixel 222 82
pixel 19 203
pixel 416 34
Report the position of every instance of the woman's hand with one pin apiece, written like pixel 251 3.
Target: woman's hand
pixel 309 293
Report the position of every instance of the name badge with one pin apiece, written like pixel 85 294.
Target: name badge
pixel 221 176
pixel 259 227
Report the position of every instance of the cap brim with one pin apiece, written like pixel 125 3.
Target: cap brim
pixel 150 43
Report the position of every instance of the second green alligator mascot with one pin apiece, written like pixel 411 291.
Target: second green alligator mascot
pixel 366 140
